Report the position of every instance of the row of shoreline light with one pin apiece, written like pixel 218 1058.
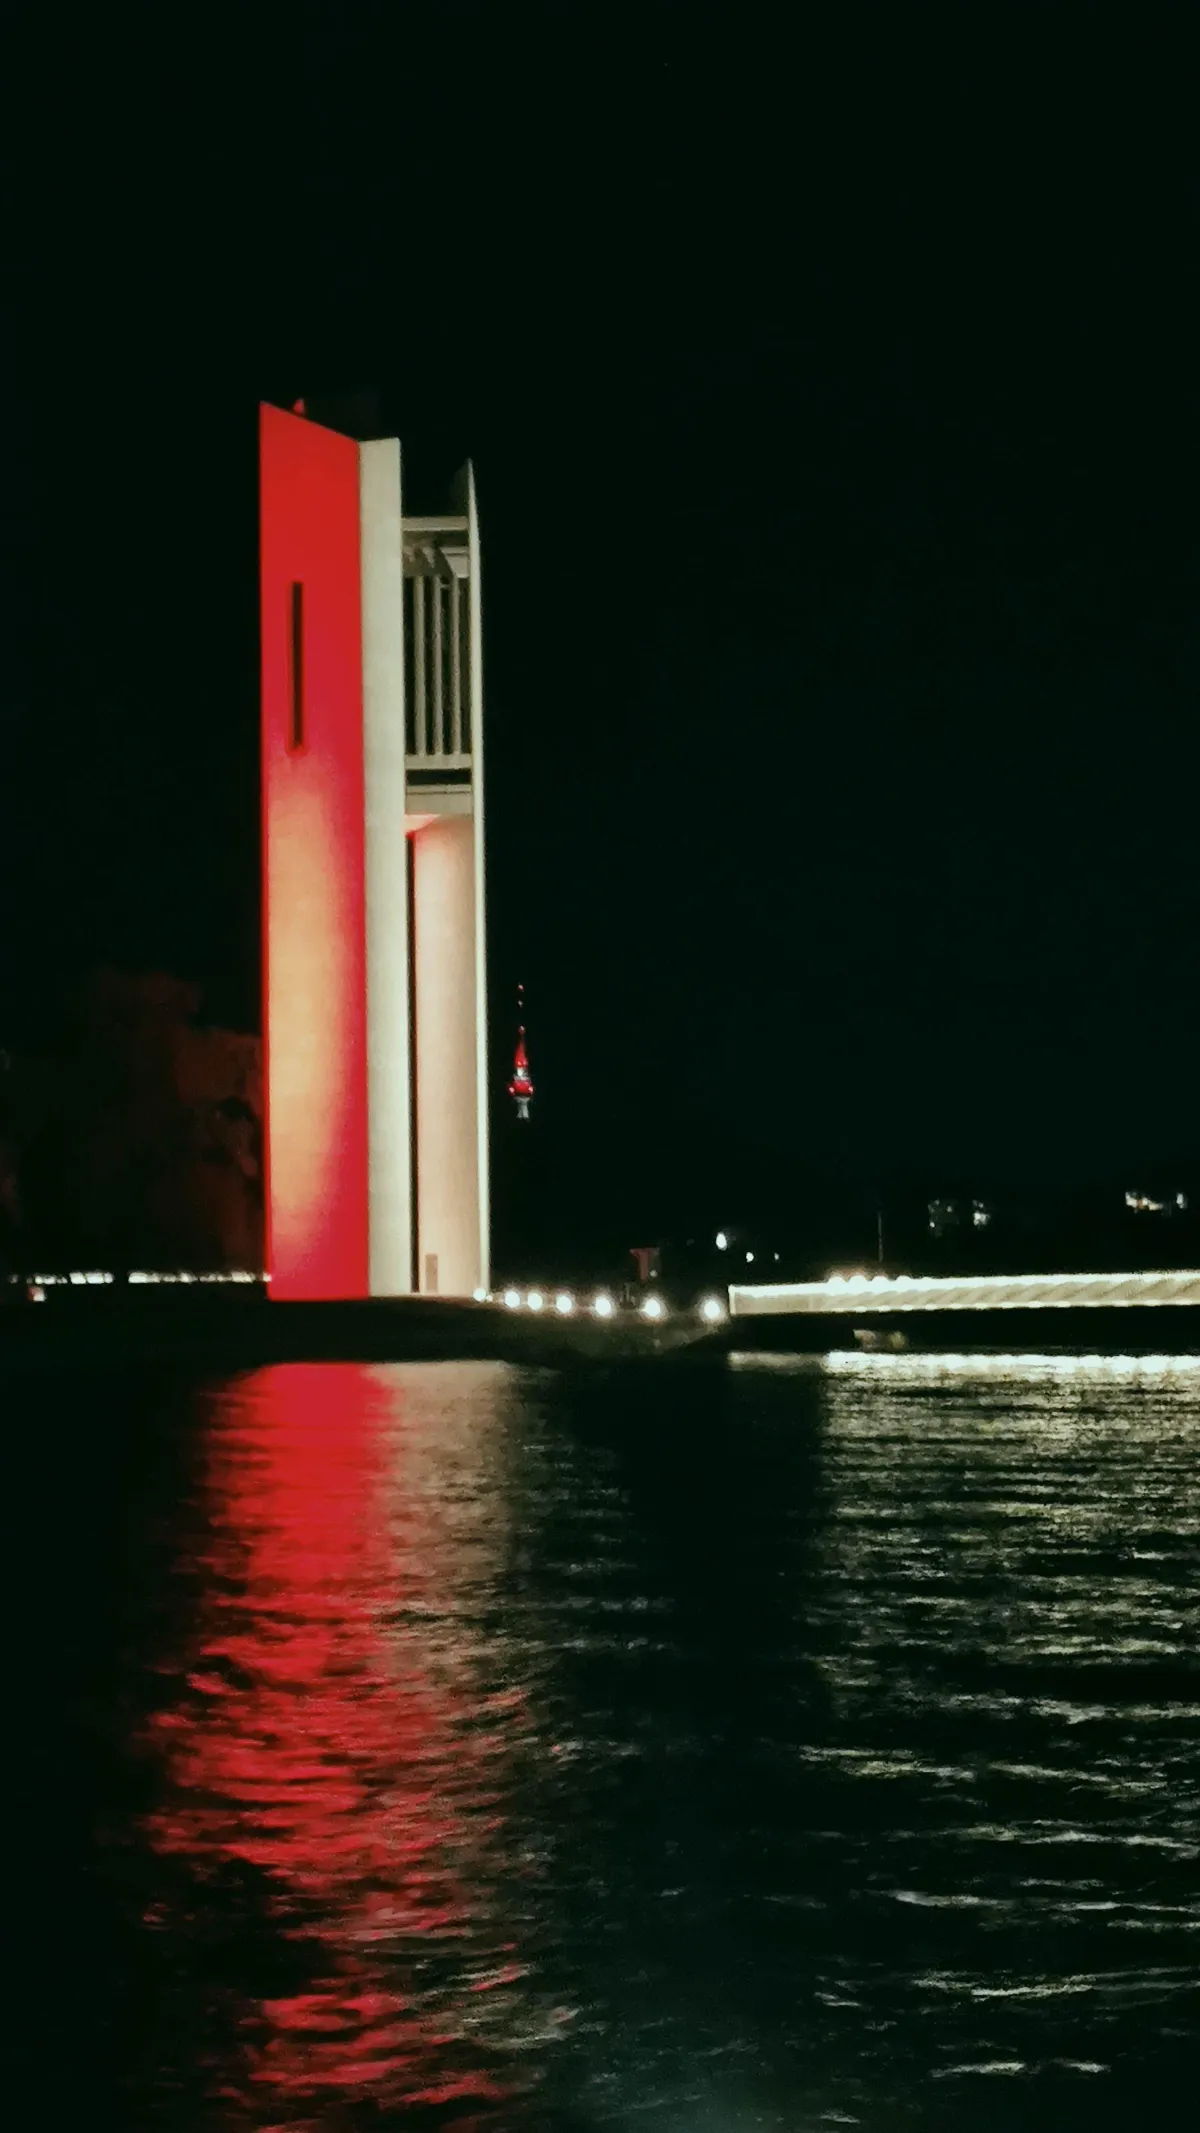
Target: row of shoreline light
pixel 92 1277
pixel 601 1305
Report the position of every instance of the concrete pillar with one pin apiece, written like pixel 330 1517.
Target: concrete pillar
pixel 483 1153
pixel 386 869
pixel 447 1076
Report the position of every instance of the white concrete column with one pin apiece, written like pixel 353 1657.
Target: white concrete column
pixel 445 990
pixel 386 864
pixel 482 1061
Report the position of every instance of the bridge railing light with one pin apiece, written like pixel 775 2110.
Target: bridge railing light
pixel 903 1293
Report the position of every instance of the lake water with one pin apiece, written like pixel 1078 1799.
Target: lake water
pixel 696 1748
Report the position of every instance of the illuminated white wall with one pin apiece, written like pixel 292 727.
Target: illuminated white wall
pixel 385 857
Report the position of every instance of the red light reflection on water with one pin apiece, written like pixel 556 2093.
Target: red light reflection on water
pixel 334 1743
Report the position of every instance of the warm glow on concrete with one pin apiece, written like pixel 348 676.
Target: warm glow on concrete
pixel 446 1065
pixel 308 998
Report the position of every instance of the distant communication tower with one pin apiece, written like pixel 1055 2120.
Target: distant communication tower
pixel 520 1088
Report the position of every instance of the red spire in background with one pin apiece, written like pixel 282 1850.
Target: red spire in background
pixel 520 1088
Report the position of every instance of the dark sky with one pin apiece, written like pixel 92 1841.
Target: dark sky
pixel 833 405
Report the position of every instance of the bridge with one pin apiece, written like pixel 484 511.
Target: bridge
pixel 879 1295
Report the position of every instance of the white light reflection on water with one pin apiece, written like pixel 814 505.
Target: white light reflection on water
pixel 1008 1566
pixel 922 1367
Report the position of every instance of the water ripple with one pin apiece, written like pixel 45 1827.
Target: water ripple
pixel 780 1745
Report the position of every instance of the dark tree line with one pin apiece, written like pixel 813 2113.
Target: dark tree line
pixel 131 1135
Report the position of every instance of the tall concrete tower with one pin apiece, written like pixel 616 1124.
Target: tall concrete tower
pixel 375 977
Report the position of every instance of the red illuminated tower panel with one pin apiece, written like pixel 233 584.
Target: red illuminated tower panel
pixel 313 816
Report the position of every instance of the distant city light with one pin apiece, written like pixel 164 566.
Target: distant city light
pixel 712 1309
pixel 722 1241
pixel 74 1280
pixel 480 1295
pixel 749 1259
pixel 603 1307
pixel 1144 1203
pixel 535 1299
pixel 238 1275
pixel 943 1215
pixel 564 1303
pixel 654 1307
pixel 512 1298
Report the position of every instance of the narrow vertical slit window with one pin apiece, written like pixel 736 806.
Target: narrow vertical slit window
pixel 295 669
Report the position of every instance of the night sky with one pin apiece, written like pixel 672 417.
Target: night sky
pixel 834 418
